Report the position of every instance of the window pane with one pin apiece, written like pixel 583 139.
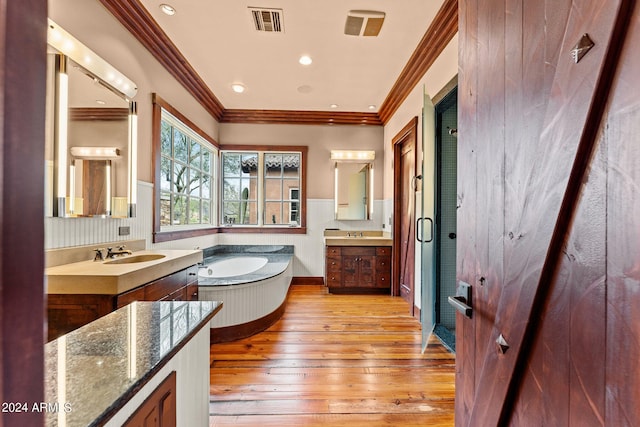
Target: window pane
pixel 179 210
pixel 292 212
pixel 194 183
pixel 206 161
pixel 291 165
pixel 249 213
pixel 206 186
pixel 165 174
pixel 165 138
pixel 231 212
pixel 249 165
pixel 291 185
pixel 165 208
pixel 180 183
pixel 273 189
pixel 273 165
pixel 273 213
pixel 194 211
pixel 231 164
pixel 194 155
pixel 231 190
pixel 180 146
pixel 206 211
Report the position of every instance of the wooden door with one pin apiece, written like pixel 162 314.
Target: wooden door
pixel 548 231
pixel 404 148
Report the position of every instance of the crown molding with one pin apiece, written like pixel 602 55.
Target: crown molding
pixel 300 117
pixel 437 37
pixel 133 15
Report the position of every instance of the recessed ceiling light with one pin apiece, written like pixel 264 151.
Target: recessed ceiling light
pixel 305 60
pixel 334 106
pixel 100 101
pixel 238 87
pixel 372 107
pixel 168 9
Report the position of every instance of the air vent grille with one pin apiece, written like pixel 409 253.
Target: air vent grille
pixel 366 23
pixel 267 20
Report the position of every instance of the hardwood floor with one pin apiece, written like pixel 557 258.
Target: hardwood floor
pixel 333 360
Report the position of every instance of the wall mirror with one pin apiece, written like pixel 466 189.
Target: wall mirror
pixel 353 184
pixel 91 136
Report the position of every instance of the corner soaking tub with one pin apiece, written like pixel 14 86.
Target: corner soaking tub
pixel 251 281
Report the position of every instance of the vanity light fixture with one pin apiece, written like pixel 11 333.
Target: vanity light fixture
pixel 61 136
pixel 305 60
pixel 133 158
pixel 238 87
pixel 69 46
pixel 353 155
pixel 95 153
pixel 167 9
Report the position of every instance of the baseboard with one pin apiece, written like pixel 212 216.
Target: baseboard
pixel 236 332
pixel 307 280
pixel 416 312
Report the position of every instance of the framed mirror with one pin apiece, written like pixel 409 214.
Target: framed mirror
pixel 91 137
pixel 353 184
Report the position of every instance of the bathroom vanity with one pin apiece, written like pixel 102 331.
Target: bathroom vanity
pixel 357 262
pixel 81 292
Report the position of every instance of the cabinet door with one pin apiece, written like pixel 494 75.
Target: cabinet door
pixel 350 270
pixel 366 271
pixel 160 407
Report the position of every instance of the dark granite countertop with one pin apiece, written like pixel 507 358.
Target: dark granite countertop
pixel 278 256
pixel 105 362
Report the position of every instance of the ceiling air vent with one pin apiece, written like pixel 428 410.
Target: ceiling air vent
pixel 364 23
pixel 267 20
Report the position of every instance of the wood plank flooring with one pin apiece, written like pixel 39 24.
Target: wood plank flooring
pixel 333 360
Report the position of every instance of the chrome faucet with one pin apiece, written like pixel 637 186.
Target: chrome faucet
pixel 118 252
pixel 99 254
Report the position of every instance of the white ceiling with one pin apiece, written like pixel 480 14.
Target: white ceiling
pixel 219 40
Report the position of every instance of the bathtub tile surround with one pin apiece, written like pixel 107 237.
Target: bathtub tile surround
pixel 104 368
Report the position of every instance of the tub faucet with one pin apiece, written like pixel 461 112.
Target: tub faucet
pixel 120 251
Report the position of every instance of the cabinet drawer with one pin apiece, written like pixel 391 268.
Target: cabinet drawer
pixel 383 264
pixel 359 250
pixel 334 264
pixel 192 275
pixel 160 288
pixel 383 280
pixel 192 292
pixel 383 250
pixel 136 294
pixel 334 279
pixel 334 250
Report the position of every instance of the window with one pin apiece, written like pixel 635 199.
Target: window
pixel 263 188
pixel 185 184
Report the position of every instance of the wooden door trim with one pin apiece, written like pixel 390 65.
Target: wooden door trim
pixel 410 130
pixel 23 38
pixel 502 374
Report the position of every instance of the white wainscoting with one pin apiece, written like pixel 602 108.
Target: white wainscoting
pixel 309 248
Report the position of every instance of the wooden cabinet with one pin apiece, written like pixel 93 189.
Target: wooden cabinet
pixel 159 409
pixel 66 312
pixel 358 269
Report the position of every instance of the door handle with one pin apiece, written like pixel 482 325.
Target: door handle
pixel 418 234
pixel 462 300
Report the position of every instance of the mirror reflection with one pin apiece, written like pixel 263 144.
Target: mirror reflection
pixel 90 136
pixel 353 182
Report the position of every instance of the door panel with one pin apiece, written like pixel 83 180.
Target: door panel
pixel 426 237
pixel 532 229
